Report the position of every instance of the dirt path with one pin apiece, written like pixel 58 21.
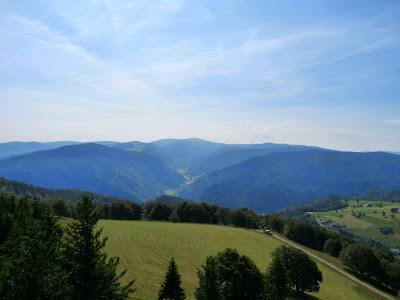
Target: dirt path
pixel 337 269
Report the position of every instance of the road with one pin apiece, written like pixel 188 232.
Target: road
pixel 337 269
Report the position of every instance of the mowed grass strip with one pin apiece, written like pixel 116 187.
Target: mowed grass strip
pixel 146 247
pixel 351 221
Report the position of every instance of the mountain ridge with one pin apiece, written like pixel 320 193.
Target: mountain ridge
pixel 192 168
pixel 95 168
pixel 278 179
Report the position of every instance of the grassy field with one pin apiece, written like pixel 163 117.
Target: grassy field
pixel 146 247
pixel 369 220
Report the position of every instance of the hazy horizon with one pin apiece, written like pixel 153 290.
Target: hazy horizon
pixel 321 73
pixel 187 138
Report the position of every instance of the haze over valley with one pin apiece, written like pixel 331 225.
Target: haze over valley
pixel 199 150
pixel 264 177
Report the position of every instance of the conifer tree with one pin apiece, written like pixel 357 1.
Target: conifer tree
pixel 91 274
pixel 277 284
pixel 30 256
pixel 171 287
pixel 209 286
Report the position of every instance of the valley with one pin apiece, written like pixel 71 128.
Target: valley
pixel 264 177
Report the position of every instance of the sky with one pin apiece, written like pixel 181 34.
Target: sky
pixel 323 73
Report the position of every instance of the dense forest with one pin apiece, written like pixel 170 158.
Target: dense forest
pixel 30 229
pixel 263 177
pixel 42 259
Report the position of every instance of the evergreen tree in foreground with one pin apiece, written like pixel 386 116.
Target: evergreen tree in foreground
pixel 209 286
pixel 277 284
pixel 171 287
pixel 30 255
pixel 91 274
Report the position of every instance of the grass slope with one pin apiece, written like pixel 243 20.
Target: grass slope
pixel 368 224
pixel 146 247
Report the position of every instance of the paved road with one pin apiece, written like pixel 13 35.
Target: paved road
pixel 337 269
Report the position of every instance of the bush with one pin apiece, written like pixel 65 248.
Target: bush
pixel 333 247
pixel 386 230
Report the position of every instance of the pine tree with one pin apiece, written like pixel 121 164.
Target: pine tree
pixel 91 274
pixel 209 286
pixel 277 285
pixel 171 287
pixel 30 256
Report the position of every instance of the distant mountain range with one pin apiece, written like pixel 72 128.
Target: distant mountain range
pixel 264 177
pixel 281 179
pixel 70 195
pixel 229 155
pixel 96 168
pixel 17 148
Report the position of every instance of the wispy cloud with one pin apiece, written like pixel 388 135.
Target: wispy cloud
pixel 392 122
pixel 145 62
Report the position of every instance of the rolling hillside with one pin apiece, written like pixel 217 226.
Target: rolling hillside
pixel 367 219
pixel 280 180
pixel 69 195
pixel 264 177
pixel 17 148
pixel 198 156
pixel 94 168
pixel 146 247
pixel 229 155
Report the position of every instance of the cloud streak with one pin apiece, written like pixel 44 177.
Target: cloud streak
pixel 161 63
pixel 393 122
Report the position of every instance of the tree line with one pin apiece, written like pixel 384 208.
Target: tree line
pixel 40 259
pixel 193 212
pixel 231 276
pixel 376 265
pixel 165 208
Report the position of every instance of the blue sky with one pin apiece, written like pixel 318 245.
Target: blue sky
pixel 321 73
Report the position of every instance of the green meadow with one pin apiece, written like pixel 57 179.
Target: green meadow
pixel 366 218
pixel 146 247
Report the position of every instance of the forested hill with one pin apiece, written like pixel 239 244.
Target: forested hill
pixel 71 195
pixel 95 168
pixel 230 155
pixel 17 148
pixel 279 180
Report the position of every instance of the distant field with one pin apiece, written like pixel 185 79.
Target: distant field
pixel 369 220
pixel 146 247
